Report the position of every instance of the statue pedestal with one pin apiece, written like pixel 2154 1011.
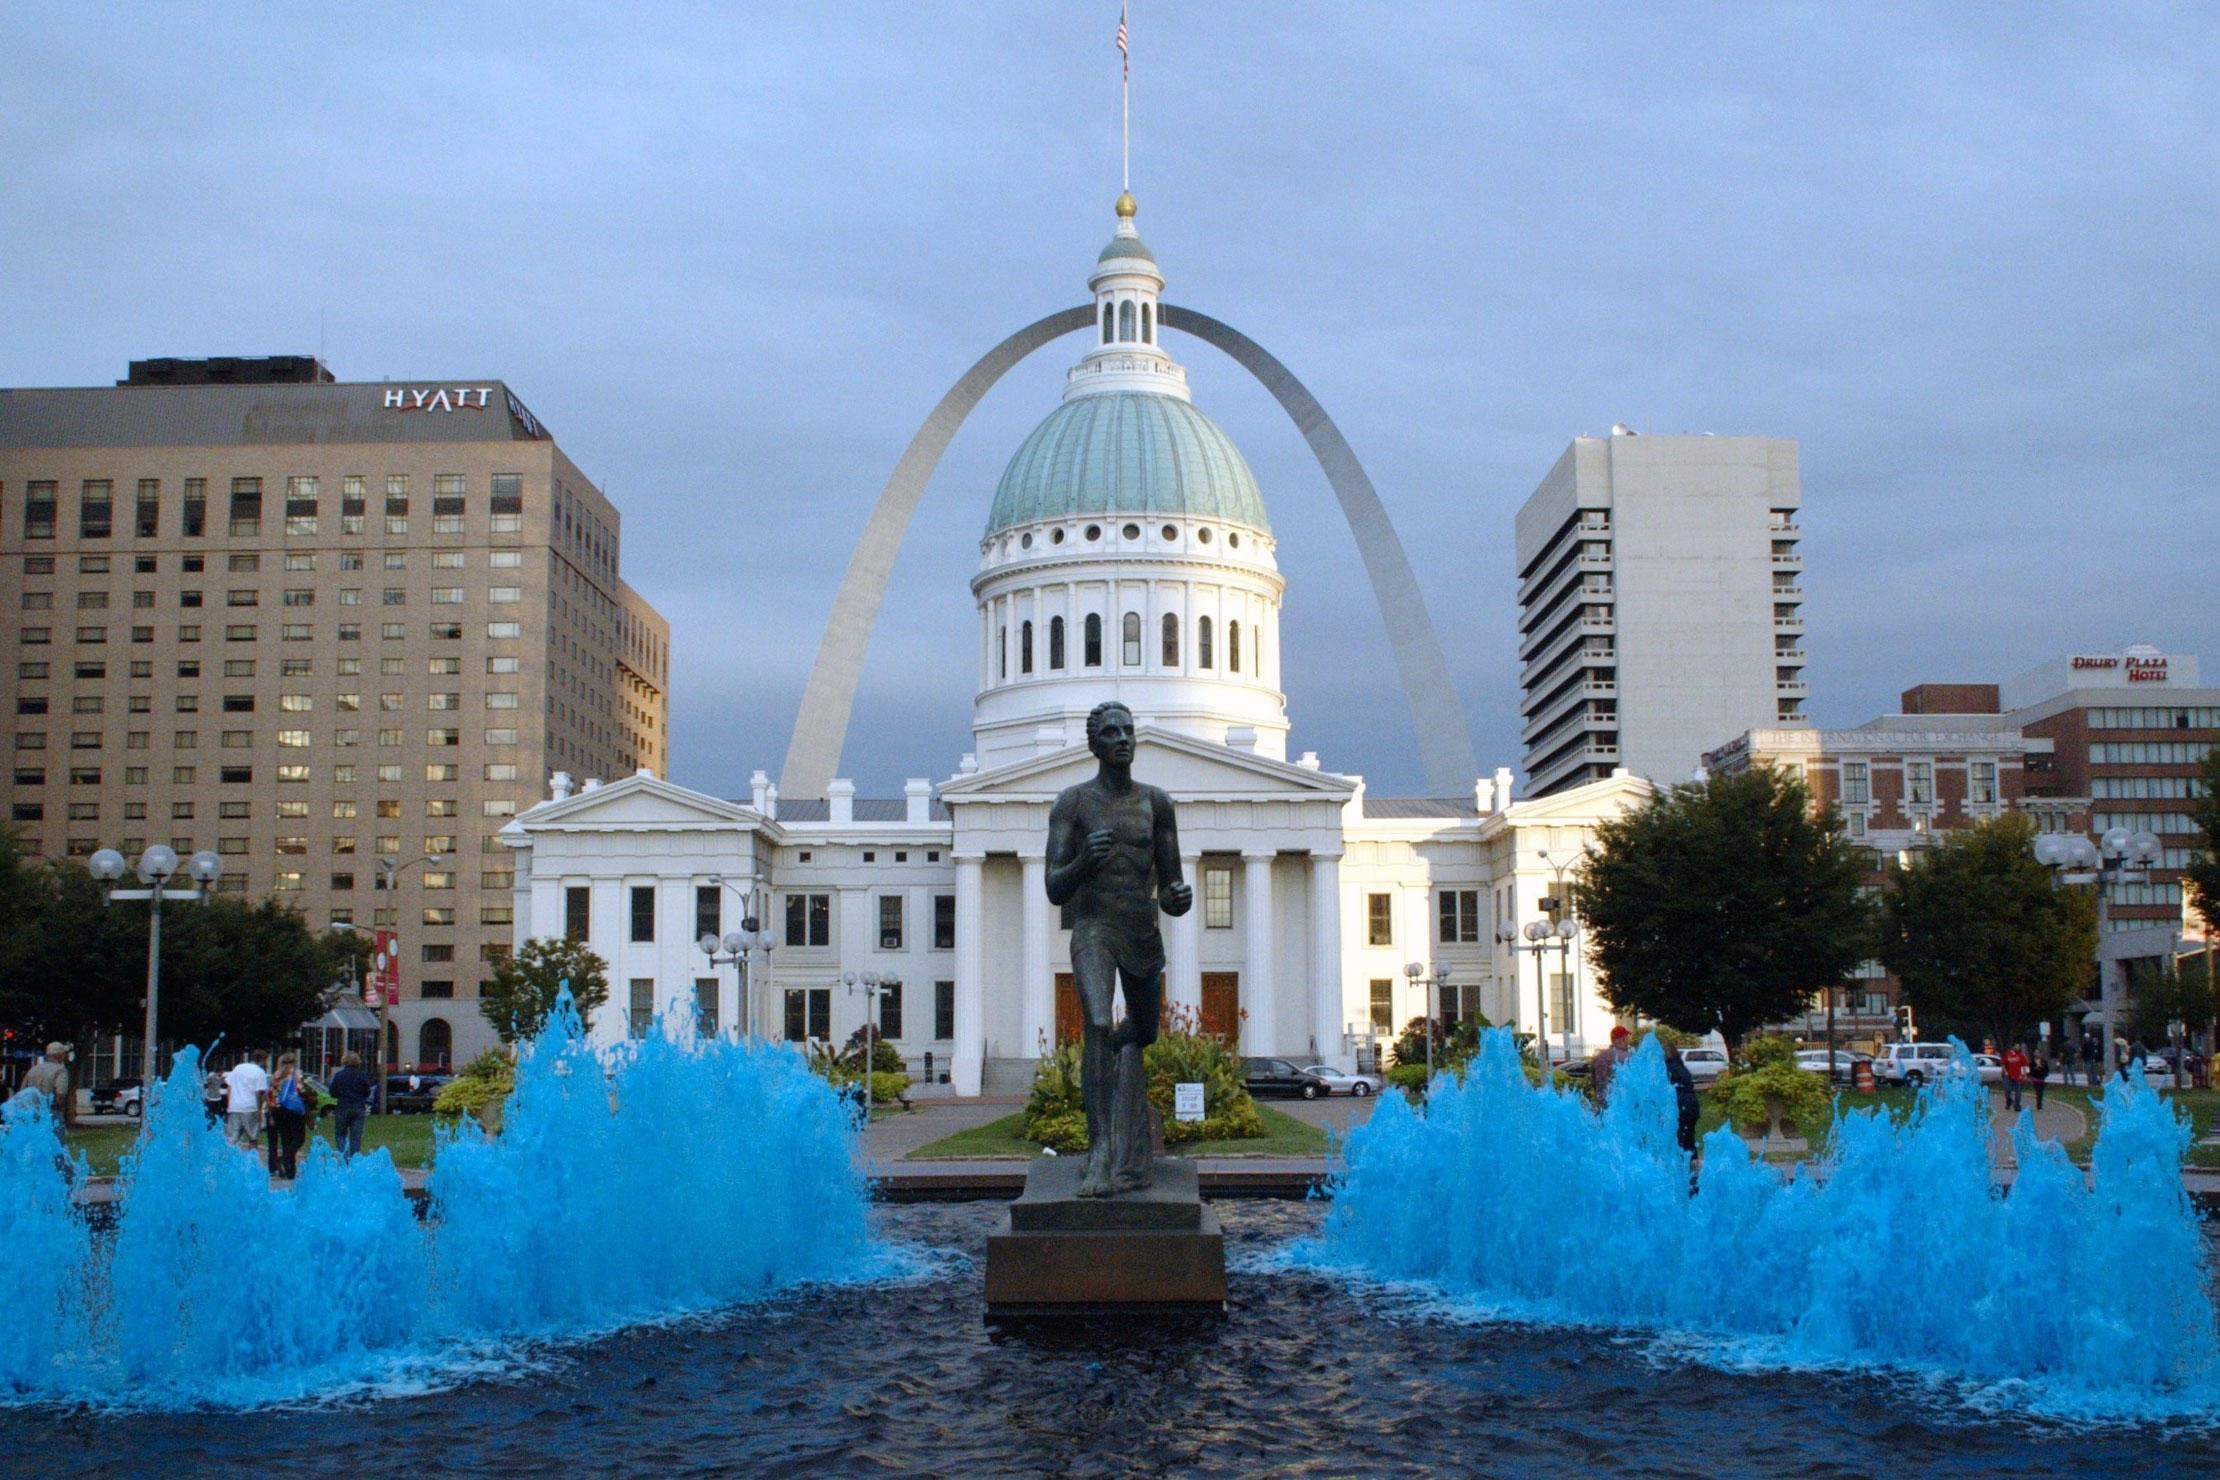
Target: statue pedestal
pixel 1156 1250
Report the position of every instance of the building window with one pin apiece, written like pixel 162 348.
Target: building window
pixel 1055 644
pixel 1857 785
pixel 1202 642
pixel 642 1014
pixel 1130 639
pixel 809 919
pixel 1981 781
pixel 709 910
pixel 944 922
pixel 38 509
pixel 1171 640
pixel 1217 892
pixel 1233 647
pixel 809 1013
pixel 1919 782
pixel 1383 1003
pixel 643 912
pixel 944 1011
pixel 96 509
pixel 705 1006
pixel 890 922
pixel 890 1010
pixel 246 506
pixel 1091 641
pixel 1460 916
pixel 1379 916
pixel 1025 646
pixel 577 911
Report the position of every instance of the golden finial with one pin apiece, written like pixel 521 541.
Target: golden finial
pixel 1127 205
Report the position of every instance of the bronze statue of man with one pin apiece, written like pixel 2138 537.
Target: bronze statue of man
pixel 1113 856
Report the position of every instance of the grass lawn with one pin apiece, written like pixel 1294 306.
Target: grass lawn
pixel 1284 1135
pixel 408 1137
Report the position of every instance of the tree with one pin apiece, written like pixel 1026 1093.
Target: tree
pixel 69 965
pixel 2182 993
pixel 1978 934
pixel 1724 904
pixel 248 973
pixel 524 988
pixel 2202 878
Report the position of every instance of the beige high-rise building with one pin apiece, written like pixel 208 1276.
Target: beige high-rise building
pixel 314 626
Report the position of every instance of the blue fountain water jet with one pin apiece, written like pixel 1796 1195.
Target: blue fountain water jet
pixel 673 1175
pixel 2079 1297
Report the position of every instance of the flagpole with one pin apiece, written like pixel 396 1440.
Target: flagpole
pixel 1125 98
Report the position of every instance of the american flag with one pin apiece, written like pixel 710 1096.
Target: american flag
pixel 1125 57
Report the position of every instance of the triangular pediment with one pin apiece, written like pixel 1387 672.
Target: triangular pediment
pixel 638 802
pixel 1594 801
pixel 1181 764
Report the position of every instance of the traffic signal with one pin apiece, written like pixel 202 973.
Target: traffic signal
pixel 1904 1024
pixel 1551 905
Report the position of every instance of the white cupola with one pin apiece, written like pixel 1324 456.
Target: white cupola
pixel 1127 554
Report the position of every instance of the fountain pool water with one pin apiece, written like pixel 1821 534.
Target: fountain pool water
pixel 2069 1296
pixel 674 1176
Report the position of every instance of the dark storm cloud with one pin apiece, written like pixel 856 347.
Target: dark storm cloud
pixel 1965 255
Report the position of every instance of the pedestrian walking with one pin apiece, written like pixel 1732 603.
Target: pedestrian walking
pixel 213 1093
pixel 1604 1067
pixel 2015 1074
pixel 288 1117
pixel 2039 1072
pixel 50 1077
pixel 350 1090
pixel 245 1088
pixel 1684 1096
pixel 2091 1052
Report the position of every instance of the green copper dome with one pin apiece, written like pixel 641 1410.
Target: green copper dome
pixel 1126 246
pixel 1127 452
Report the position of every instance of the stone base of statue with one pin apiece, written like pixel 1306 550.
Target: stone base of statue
pixel 1155 1250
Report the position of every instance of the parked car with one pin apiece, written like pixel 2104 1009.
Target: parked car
pixel 1342 1082
pixel 2160 1064
pixel 1989 1067
pixel 1842 1071
pixel 1269 1077
pixel 402 1097
pixel 1913 1063
pixel 123 1096
pixel 1704 1064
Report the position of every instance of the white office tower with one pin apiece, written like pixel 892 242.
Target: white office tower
pixel 1659 604
pixel 1127 554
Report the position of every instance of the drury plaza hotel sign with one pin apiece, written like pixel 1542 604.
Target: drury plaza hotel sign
pixel 2138 667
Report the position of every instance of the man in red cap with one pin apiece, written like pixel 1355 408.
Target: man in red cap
pixel 1605 1065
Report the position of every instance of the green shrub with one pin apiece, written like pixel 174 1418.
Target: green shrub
pixel 1055 1115
pixel 1768 1075
pixel 485 1081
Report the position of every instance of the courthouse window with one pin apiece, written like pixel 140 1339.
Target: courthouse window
pixel 1217 879
pixel 1379 919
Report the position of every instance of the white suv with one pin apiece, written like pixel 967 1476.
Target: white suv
pixel 1704 1064
pixel 1911 1063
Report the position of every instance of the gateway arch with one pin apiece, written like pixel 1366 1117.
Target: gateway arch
pixel 821 728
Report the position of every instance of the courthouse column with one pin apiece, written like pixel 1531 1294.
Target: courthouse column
pixel 1325 958
pixel 1037 1023
pixel 967 1058
pixel 1183 944
pixel 1260 1034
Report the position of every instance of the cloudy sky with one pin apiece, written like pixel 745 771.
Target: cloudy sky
pixel 1964 254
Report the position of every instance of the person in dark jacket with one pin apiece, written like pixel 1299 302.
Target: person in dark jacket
pixel 1684 1096
pixel 350 1091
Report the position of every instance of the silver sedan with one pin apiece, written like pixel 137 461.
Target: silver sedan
pixel 1342 1082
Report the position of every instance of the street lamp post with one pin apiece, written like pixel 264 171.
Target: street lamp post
pixel 870 984
pixel 1541 935
pixel 389 872
pixel 734 951
pixel 736 947
pixel 1416 971
pixel 156 865
pixel 2119 857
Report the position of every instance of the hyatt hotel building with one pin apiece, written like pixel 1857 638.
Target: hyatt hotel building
pixel 314 625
